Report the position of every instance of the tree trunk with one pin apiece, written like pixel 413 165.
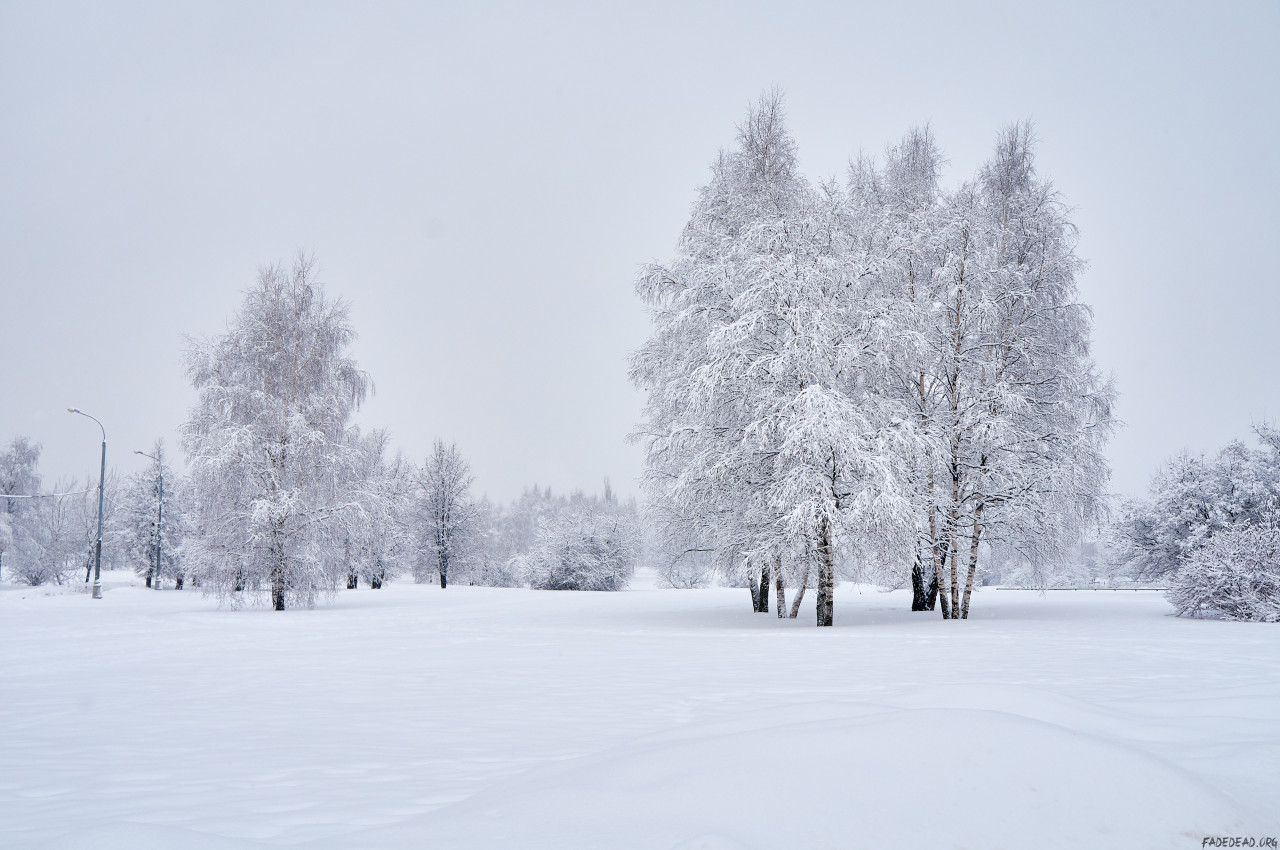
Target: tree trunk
pixel 177 581
pixel 954 555
pixel 353 580
pixel 954 551
pixel 826 577
pixel 973 562
pixel 762 604
pixel 148 578
pixel 754 587
pixel 375 582
pixel 938 555
pixel 277 582
pixel 795 603
pixel 919 593
pixel 779 590
pixel 444 573
pixel 277 589
pixel 924 586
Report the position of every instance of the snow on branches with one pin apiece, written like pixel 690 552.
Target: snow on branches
pixel 884 373
pixel 1209 526
pixel 269 451
pixel 1233 576
pixel 1193 497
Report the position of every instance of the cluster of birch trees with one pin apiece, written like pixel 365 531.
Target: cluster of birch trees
pixel 882 375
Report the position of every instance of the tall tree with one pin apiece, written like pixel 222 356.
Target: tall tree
pixel 1020 413
pixel 764 423
pixel 268 449
pixel 897 210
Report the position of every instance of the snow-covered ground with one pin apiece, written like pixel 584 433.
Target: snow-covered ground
pixel 488 718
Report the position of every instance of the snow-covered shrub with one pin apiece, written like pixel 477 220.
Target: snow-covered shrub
pixel 1192 498
pixel 585 547
pixel 686 571
pixel 1234 576
pixel 678 555
pixel 49 544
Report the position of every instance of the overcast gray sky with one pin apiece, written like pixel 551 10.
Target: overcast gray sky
pixel 482 184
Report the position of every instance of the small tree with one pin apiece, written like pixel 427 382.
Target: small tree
pixel 153 553
pixel 446 514
pixel 1234 576
pixel 51 541
pixel 377 537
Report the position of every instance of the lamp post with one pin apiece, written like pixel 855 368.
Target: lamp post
pixel 155 577
pixel 102 474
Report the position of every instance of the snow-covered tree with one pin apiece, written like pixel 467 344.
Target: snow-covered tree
pixel 83 510
pixel 446 514
pixel 898 211
pixel 20 479
pixel 149 499
pixel 764 426
pixel 679 556
pixel 1013 407
pixel 50 542
pixel 377 539
pixel 269 453
pixel 1234 575
pixel 886 374
pixel 1193 497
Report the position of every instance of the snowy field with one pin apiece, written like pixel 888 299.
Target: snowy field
pixel 488 718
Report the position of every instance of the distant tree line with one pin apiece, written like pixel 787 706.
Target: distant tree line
pixel 285 501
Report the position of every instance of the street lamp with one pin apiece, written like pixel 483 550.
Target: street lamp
pixel 155 577
pixel 102 474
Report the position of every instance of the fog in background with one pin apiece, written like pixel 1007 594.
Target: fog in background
pixel 482 185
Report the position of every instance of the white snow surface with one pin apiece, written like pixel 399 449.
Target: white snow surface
pixel 499 718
